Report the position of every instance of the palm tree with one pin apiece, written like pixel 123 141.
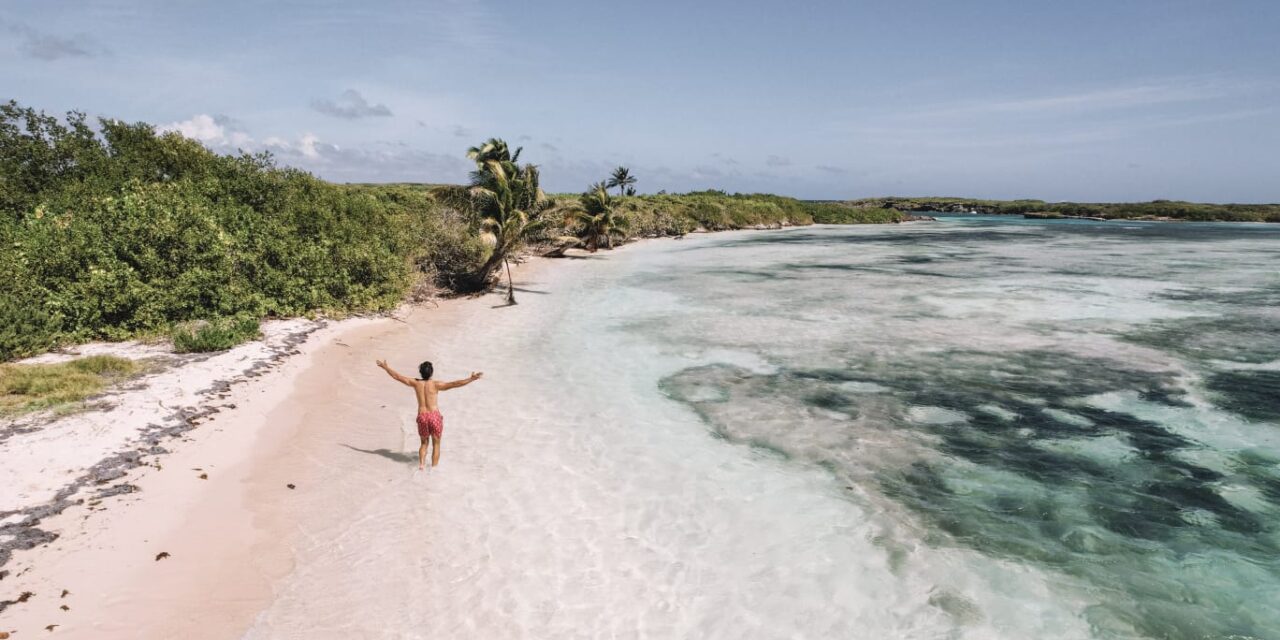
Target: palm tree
pixel 509 214
pixel 506 202
pixel 492 150
pixel 621 178
pixel 596 217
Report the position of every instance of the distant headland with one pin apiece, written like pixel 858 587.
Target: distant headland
pixel 1153 210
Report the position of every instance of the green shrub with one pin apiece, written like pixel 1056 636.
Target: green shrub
pixel 841 213
pixel 676 214
pixel 220 334
pixel 26 328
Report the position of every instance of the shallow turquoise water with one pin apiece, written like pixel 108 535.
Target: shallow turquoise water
pixel 1096 401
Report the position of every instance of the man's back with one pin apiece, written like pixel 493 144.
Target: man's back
pixel 427 395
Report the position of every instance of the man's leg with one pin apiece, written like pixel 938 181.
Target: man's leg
pixel 435 450
pixel 422 455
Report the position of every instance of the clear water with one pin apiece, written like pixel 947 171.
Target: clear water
pixel 978 428
pixel 1096 402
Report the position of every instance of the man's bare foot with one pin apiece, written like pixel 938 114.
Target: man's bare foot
pixel 421 468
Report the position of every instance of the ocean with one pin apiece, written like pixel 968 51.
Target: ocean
pixel 980 427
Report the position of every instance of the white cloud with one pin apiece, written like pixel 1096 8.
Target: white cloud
pixel 219 132
pixel 351 105
pixel 1040 126
pixel 201 127
pixel 223 135
pixel 1121 98
pixel 307 146
pixel 957 137
pixel 362 163
pixel 1145 94
pixel 49 47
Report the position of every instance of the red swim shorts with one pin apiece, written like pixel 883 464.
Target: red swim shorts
pixel 430 423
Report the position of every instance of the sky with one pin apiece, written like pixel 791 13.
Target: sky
pixel 1116 100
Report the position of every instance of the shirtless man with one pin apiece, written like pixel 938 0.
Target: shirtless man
pixel 430 422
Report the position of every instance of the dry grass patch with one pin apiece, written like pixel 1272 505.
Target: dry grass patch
pixel 31 387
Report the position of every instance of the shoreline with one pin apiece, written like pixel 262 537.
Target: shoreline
pixel 120 474
pixel 206 483
pixel 151 497
pixel 311 518
pixel 190 485
pixel 247 433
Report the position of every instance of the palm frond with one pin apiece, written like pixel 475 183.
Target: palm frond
pixel 536 225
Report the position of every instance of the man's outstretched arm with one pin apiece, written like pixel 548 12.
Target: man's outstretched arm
pixel 443 386
pixel 392 372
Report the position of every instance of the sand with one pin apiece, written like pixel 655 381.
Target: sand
pixel 106 547
pixel 46 454
pixel 215 498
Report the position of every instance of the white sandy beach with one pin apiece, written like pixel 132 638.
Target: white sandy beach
pixel 669 441
pixel 320 418
pixel 571 501
pixel 201 415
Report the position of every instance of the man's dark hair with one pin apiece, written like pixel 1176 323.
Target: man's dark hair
pixel 424 371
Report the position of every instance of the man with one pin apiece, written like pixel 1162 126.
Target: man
pixel 430 422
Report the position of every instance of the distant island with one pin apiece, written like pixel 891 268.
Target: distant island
pixel 1154 210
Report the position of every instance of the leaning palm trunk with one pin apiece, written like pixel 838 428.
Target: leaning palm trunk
pixel 479 279
pixel 511 287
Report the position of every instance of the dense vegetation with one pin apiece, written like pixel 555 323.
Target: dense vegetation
pixel 1155 210
pixel 111 230
pixel 594 218
pixel 115 231
pixel 717 211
